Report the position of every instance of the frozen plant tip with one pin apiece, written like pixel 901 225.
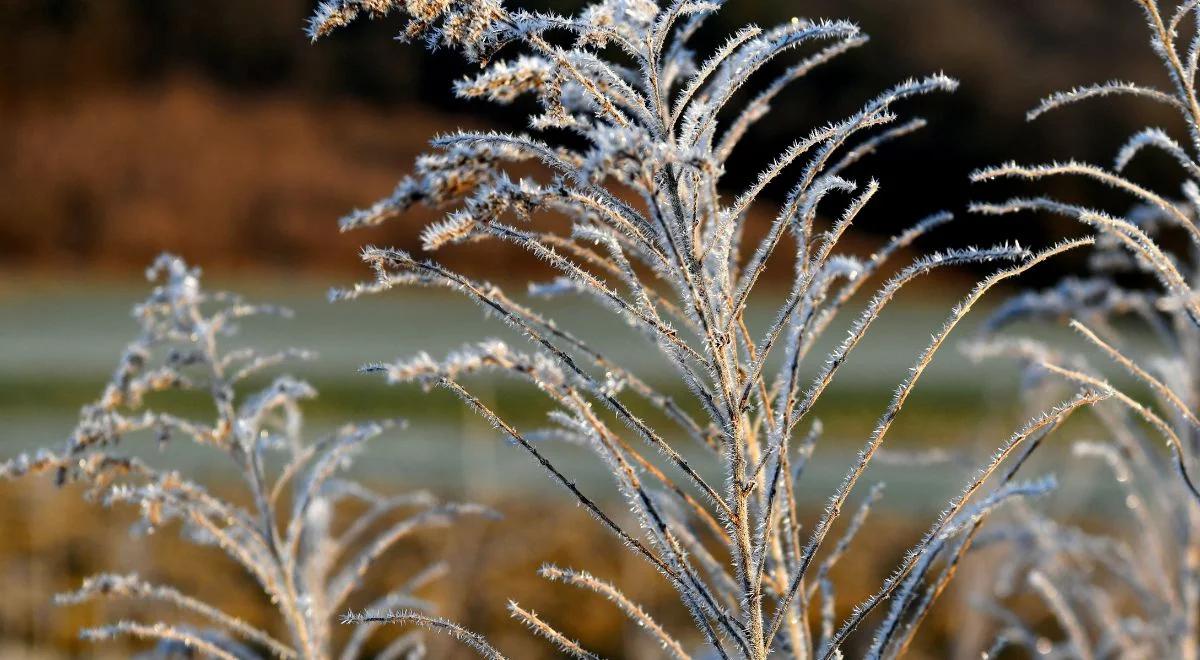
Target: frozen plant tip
pixel 297 538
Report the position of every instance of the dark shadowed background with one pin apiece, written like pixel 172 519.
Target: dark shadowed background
pixel 216 130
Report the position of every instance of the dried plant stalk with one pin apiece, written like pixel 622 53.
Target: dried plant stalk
pixel 652 240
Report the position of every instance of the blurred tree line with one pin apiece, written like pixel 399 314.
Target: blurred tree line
pixel 216 130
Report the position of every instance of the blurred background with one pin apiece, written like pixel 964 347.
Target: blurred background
pixel 216 131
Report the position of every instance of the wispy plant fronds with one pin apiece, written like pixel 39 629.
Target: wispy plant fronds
pixel 635 612
pixel 437 624
pixel 1135 594
pixel 1110 88
pixel 286 538
pixel 654 239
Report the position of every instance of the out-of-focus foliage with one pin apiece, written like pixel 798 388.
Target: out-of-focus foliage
pixel 307 557
pixel 1131 590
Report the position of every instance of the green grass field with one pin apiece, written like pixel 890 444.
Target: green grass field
pixel 61 343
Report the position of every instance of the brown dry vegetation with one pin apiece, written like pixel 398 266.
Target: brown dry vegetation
pixel 230 181
pixel 52 539
pixel 118 176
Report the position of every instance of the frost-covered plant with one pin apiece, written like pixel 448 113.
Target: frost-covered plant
pixel 1135 590
pixel 649 129
pixel 295 537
